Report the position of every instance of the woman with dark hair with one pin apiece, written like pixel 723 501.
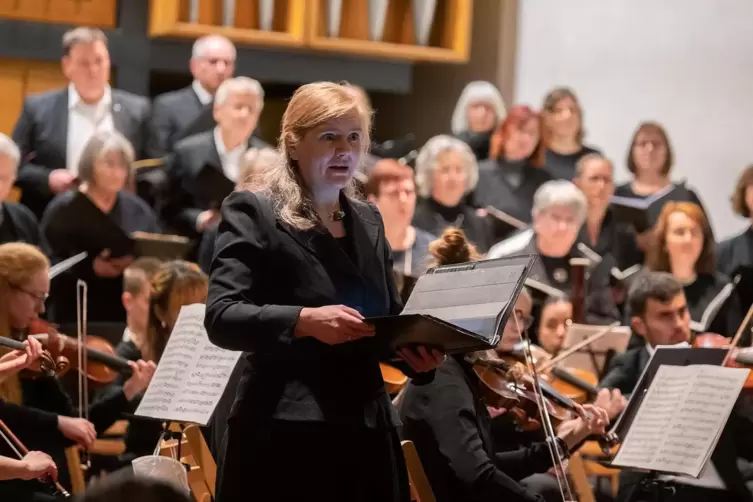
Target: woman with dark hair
pixel 737 251
pixel 682 245
pixel 563 133
pixel 511 176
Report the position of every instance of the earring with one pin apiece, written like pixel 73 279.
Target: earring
pixel 164 324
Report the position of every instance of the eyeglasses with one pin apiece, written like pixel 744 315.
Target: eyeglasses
pixel 38 297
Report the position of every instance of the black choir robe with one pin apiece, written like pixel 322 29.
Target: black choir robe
pixel 105 305
pixel 42 135
pixel 623 373
pixel 432 217
pixel 327 403
pixel 450 426
pixel 509 187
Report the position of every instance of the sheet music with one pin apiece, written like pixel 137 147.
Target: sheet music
pixel 191 375
pixel 679 422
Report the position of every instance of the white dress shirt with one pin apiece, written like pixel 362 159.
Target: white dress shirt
pixel 83 121
pixel 231 160
pixel 204 96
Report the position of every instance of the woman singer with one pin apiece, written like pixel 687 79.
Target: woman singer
pixel 297 270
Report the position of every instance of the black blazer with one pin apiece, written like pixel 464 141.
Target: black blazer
pixel 42 135
pixel 184 198
pixel 263 273
pixel 172 113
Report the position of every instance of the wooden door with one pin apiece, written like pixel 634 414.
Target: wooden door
pixel 19 78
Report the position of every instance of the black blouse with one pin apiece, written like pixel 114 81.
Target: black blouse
pixel 451 428
pixel 616 242
pixel 561 166
pixel 132 214
pixel 735 252
pixel 432 217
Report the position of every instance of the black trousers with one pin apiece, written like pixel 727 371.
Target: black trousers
pixel 294 461
pixel 631 490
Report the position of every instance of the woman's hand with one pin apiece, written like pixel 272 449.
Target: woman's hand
pixel 612 401
pixel 143 372
pixel 421 359
pixel 77 429
pixel 17 360
pixel 38 465
pixel 592 420
pixel 104 266
pixel 332 324
pixel 643 240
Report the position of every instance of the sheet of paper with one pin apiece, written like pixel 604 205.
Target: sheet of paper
pixel 191 375
pixel 680 419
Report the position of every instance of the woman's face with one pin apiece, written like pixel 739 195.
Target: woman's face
pixel 515 325
pixel 521 141
pixel 449 179
pixel 596 183
pixel 557 229
pixel 553 325
pixel 649 152
pixel 684 239
pixel 749 198
pixel 110 172
pixel 27 300
pixel 397 202
pixel 328 154
pixel 564 119
pixel 481 116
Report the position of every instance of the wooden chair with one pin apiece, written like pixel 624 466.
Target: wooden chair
pixel 110 444
pixel 591 453
pixel 194 452
pixel 419 483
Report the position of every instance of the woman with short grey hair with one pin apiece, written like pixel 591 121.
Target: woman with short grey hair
pixel 101 203
pixel 479 110
pixel 446 172
pixel 17 222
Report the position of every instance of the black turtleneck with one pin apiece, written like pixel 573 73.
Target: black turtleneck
pixel 562 165
pixel 433 217
pixel 480 142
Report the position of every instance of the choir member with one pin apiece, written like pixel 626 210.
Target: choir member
pixel 650 159
pixel 104 170
pixel 189 207
pixel 37 409
pixel 255 162
pixel 683 246
pixel 450 424
pixel 392 189
pixel 17 222
pixel 478 111
pixel 559 210
pixel 55 126
pixel 174 285
pixel 446 172
pixel 563 133
pixel 298 267
pixel 508 180
pixel 737 251
pixel 174 113
pixel 661 316
pixel 610 239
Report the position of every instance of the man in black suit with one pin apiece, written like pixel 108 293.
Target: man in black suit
pixel 17 222
pixel 189 202
pixel 212 62
pixel 661 317
pixel 55 126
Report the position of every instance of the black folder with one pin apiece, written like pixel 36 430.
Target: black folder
pixel 638 212
pixel 458 308
pixel 83 226
pixel 215 186
pixel 743 275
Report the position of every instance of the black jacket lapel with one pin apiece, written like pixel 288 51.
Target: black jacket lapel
pixel 59 125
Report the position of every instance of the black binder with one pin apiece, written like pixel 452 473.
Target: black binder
pixel 215 186
pixel 638 212
pixel 743 276
pixel 458 308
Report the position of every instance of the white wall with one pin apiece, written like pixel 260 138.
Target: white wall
pixel 685 63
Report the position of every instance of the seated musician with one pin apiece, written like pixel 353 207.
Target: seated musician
pixel 174 285
pixel 559 210
pixel 104 170
pixel 446 172
pixel 451 425
pixel 661 316
pixel 17 222
pixel 137 280
pixel 392 189
pixel 682 245
pixel 255 161
pixel 737 251
pixel 187 205
pixel 37 409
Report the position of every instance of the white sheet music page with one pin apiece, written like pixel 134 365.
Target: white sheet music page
pixel 191 375
pixel 680 419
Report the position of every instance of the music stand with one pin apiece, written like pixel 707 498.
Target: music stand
pixel 596 355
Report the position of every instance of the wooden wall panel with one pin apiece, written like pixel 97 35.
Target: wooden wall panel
pixel 19 78
pixel 100 13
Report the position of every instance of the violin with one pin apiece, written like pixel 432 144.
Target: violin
pixel 45 365
pixel 737 358
pixel 394 379
pixel 102 366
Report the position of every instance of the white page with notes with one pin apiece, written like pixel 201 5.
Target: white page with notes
pixel 681 418
pixel 191 375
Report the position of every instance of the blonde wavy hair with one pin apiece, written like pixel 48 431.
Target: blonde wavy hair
pixel 311 106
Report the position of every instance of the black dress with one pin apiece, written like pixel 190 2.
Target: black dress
pixel 310 420
pixel 561 166
pixel 432 217
pixel 132 214
pixel 451 428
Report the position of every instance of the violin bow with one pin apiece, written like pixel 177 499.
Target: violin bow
pixel 738 335
pixel 575 348
pixel 551 437
pixel 20 450
pixel 82 291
